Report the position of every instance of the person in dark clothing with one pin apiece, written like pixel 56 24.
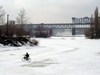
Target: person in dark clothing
pixel 26 56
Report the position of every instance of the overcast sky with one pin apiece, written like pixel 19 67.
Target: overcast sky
pixel 50 11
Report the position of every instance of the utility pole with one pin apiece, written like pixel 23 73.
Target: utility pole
pixel 7 24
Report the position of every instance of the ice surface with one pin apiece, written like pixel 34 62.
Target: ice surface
pixel 53 56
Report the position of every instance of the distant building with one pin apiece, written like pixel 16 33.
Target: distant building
pixel 12 22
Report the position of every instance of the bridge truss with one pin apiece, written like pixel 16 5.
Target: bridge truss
pixel 58 28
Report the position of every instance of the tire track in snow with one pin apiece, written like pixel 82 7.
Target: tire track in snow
pixel 46 59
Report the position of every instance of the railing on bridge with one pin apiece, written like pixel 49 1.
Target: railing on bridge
pixel 59 26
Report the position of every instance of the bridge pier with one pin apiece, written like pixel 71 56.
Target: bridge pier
pixel 73 31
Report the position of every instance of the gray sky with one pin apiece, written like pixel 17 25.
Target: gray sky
pixel 50 11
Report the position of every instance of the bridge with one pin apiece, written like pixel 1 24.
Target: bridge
pixel 77 27
pixel 59 29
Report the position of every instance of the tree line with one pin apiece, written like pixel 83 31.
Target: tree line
pixel 8 29
pixel 94 31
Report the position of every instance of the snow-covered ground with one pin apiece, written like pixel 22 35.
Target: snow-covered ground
pixel 53 56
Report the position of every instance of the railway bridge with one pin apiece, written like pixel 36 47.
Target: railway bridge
pixel 60 29
pixel 77 27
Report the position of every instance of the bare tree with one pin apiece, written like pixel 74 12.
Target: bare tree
pixel 2 14
pixel 22 18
